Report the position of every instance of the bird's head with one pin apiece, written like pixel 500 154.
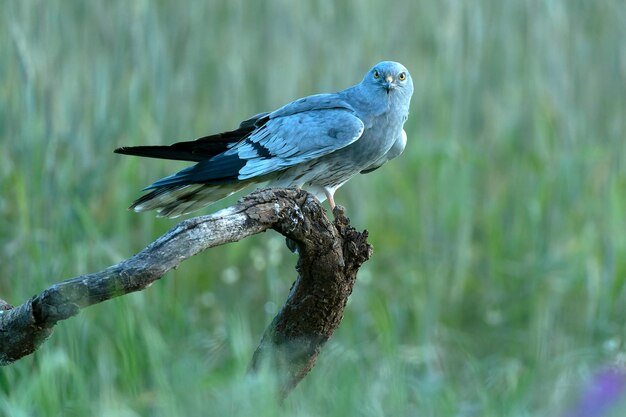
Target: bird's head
pixel 390 76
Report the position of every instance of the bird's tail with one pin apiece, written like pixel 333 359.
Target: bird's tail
pixel 176 200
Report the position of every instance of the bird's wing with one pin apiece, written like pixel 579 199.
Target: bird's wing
pixel 298 132
pixel 199 149
pixel 396 149
pixel 209 146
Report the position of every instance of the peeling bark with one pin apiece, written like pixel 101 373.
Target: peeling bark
pixel 330 254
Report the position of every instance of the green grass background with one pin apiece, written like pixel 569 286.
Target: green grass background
pixel 498 282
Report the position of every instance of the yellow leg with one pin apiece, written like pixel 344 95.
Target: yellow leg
pixel 329 197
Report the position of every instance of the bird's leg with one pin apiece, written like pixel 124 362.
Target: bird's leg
pixel 329 197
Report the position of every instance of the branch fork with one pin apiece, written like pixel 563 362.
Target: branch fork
pixel 330 255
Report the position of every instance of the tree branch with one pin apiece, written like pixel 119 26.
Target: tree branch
pixel 330 256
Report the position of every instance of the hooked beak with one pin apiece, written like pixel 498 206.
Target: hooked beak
pixel 389 84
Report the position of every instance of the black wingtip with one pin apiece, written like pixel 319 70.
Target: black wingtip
pixel 132 150
pixel 121 150
pixel 160 152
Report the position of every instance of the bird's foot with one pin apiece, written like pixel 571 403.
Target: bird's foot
pixel 338 211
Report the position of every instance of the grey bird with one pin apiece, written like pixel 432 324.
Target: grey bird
pixel 318 142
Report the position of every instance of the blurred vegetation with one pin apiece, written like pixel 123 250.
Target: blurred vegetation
pixel 498 283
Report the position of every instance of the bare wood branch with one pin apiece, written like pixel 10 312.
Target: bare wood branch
pixel 330 256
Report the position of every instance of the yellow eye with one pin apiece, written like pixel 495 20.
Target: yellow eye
pixel 402 76
pixel 376 74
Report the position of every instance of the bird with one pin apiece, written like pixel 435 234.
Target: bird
pixel 317 142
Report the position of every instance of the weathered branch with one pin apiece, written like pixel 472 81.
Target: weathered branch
pixel 330 256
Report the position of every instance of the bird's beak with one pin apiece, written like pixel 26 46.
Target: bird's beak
pixel 389 84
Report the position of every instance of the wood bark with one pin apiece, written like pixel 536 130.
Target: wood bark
pixel 330 254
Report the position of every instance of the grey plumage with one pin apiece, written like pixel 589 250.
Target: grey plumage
pixel 318 142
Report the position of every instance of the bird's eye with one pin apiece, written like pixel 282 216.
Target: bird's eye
pixel 402 76
pixel 376 74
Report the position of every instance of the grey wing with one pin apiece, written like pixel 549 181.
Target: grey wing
pixel 306 129
pixel 396 149
pixel 311 103
pixel 291 140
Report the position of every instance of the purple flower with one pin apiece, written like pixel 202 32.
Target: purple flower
pixel 601 394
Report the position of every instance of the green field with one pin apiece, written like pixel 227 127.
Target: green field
pixel 498 282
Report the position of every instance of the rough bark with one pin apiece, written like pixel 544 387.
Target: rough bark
pixel 330 255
